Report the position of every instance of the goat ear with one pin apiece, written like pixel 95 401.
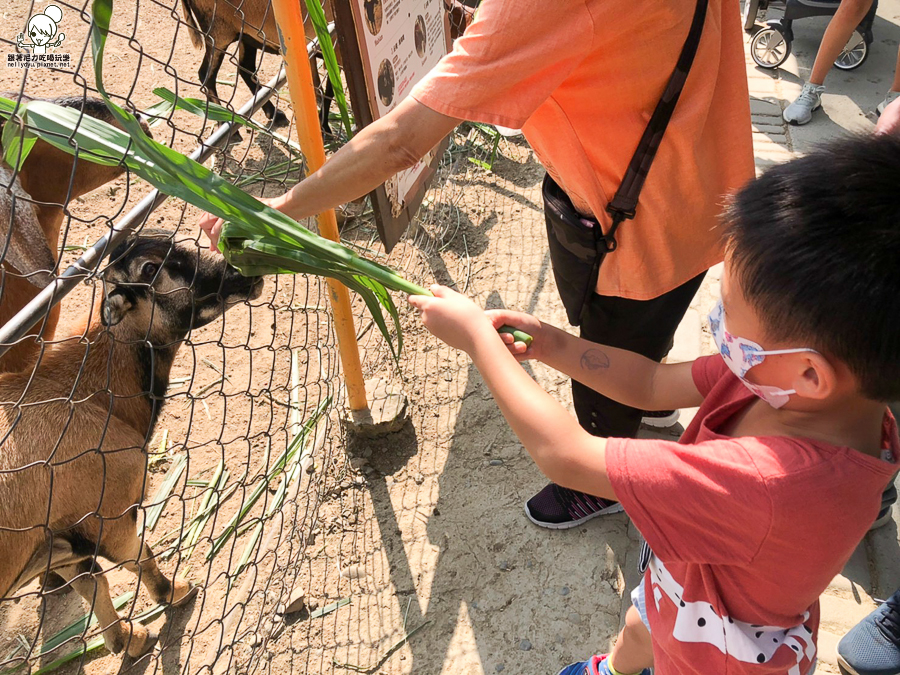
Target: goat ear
pixel 27 252
pixel 115 307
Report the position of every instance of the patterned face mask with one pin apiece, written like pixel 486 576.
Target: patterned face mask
pixel 741 355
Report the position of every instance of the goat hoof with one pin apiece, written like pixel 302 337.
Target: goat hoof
pixel 183 592
pixel 142 641
pixel 279 119
pixel 135 639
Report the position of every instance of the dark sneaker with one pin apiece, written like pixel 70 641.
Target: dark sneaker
pixel 888 498
pixel 560 508
pixel 660 419
pixel 872 647
pixel 596 665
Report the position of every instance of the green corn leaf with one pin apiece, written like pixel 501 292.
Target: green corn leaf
pixel 204 108
pixel 17 142
pixel 248 550
pixel 158 112
pixel 158 502
pixel 179 176
pixel 328 609
pixel 320 24
pixel 292 454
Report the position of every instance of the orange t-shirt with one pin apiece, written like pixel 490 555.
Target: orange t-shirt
pixel 581 78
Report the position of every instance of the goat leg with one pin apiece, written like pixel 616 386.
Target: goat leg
pixel 88 580
pixel 247 68
pixel 209 71
pixel 121 544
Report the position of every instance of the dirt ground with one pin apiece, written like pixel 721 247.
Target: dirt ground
pixel 423 531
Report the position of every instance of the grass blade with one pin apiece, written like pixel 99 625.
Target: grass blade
pixel 205 109
pixel 158 502
pixel 328 609
pixel 320 24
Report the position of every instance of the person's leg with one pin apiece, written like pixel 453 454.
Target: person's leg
pixel 896 84
pixel 633 650
pixel 894 91
pixel 848 16
pixel 631 655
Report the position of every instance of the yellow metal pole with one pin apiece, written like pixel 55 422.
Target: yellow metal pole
pixel 303 99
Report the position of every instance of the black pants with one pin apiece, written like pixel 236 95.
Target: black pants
pixel 646 327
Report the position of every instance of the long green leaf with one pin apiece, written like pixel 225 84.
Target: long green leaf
pixel 320 24
pixel 204 108
pixel 17 142
pixel 290 455
pixel 158 502
pixel 179 176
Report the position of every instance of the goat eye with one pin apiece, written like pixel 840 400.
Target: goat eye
pixel 149 270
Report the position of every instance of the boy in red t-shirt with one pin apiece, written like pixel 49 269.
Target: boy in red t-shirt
pixel 775 482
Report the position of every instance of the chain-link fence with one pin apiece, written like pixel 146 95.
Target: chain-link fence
pixel 220 421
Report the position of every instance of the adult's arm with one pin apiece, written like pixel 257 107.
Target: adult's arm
pixel 390 144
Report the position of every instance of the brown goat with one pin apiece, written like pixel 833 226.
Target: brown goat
pixel 49 179
pixel 73 460
pixel 215 24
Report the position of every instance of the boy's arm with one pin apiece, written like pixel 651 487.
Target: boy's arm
pixel 622 375
pixel 567 454
pixel 563 451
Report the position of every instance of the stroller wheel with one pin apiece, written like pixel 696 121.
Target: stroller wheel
pixel 854 53
pixel 769 48
pixel 749 12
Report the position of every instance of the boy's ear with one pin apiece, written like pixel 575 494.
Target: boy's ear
pixel 817 379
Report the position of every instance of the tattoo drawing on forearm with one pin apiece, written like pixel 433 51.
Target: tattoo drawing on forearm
pixel 594 359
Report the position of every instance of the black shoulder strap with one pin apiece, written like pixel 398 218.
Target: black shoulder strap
pixel 624 203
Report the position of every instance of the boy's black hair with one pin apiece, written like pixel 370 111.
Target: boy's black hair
pixel 815 246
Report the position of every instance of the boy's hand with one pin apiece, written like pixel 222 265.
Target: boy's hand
pixel 453 317
pixel 523 322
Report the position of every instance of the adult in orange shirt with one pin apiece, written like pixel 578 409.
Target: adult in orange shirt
pixel 581 79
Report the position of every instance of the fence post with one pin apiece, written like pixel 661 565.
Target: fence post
pixel 309 132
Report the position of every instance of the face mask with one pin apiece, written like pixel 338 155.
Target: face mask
pixel 741 355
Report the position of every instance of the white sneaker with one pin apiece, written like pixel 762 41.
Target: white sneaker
pixel 890 98
pixel 809 100
pixel 507 132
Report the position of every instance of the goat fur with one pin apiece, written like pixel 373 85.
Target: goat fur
pixel 32 206
pixel 72 459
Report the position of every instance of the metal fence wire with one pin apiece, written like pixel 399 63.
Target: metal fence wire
pixel 213 460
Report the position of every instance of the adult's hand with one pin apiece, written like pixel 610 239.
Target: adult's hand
pixel 889 122
pixel 212 226
pixel 389 145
